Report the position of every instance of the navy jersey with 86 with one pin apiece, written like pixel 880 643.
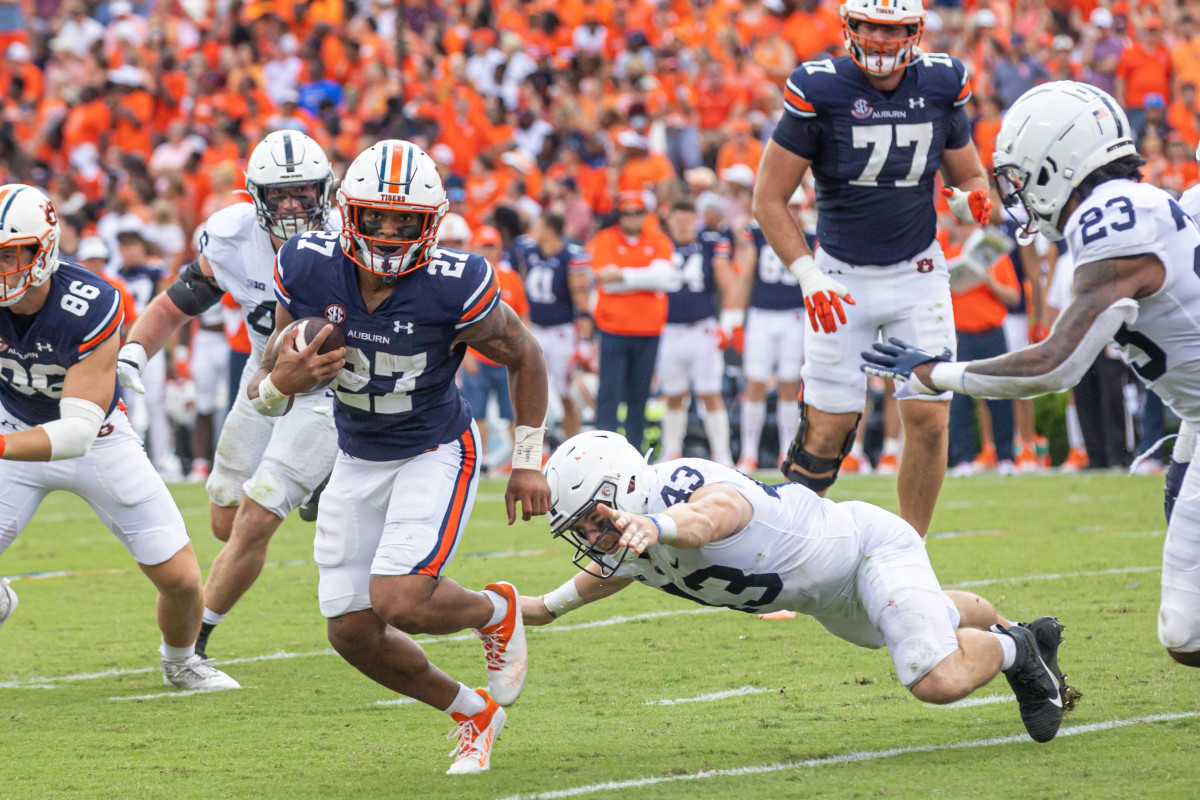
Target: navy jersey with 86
pixel 82 310
pixel 395 397
pixel 874 154
pixel 693 301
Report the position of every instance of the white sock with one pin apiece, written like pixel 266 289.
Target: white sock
pixel 170 653
pixel 787 412
pixel 1074 432
pixel 716 427
pixel 891 447
pixel 1008 645
pixel 500 604
pixel 856 449
pixel 467 703
pixel 211 617
pixel 674 428
pixel 754 416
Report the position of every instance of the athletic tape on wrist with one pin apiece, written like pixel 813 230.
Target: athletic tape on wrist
pixel 563 599
pixel 527 447
pixel 668 529
pixel 270 400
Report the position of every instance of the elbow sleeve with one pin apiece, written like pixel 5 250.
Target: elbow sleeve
pixel 193 292
pixel 71 435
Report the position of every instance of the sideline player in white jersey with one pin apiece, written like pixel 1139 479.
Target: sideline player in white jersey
pixel 874 127
pixel 707 533
pixel 60 414
pixel 264 467
pixel 1065 154
pixel 404 482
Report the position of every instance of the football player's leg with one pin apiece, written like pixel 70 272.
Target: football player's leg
pixel 674 373
pixel 614 364
pixel 975 612
pixel 25 487
pixel 1179 610
pixel 244 439
pixel 708 373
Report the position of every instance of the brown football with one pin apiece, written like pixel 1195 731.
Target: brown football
pixel 309 327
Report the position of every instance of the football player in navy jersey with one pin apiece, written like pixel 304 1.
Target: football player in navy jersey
pixel 690 352
pixel 60 415
pixel 874 127
pixel 557 274
pixel 404 481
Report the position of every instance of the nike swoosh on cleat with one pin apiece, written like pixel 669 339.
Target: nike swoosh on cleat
pixel 1057 699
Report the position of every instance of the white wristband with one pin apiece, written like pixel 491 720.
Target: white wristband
pixel 527 447
pixel 270 401
pixel 563 599
pixel 732 318
pixel 948 376
pixel 668 529
pixel 804 268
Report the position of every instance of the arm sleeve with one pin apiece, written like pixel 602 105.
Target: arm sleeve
pixel 661 276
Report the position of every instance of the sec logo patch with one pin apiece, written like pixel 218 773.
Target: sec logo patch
pixel 861 109
pixel 335 314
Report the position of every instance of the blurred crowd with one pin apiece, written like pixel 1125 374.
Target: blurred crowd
pixel 138 117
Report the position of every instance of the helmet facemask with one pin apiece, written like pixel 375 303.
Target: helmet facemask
pixel 18 258
pixel 598 551
pixel 390 255
pixel 882 57
pixel 284 225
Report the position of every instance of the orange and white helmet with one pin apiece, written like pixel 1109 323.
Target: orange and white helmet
pixel 880 57
pixel 29 223
pixel 393 175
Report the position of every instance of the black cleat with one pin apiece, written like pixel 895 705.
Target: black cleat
pixel 308 509
pixel 202 641
pixel 1041 690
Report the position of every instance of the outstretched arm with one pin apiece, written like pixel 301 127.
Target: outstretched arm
pixel 712 513
pixel 585 587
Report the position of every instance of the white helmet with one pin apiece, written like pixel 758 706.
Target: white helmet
pixel 392 175
pixel 590 468
pixel 1053 137
pixel 289 158
pixel 27 220
pixel 454 229
pixel 880 57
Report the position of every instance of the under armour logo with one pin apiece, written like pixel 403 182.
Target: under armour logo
pixel 44 347
pixel 916 102
pixel 407 327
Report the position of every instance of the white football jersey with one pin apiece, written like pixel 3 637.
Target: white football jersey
pixel 799 551
pixel 1120 219
pixel 243 262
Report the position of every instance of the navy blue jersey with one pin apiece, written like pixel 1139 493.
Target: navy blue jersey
pixel 775 287
pixel 81 312
pixel 873 154
pixel 400 400
pixel 143 282
pixel 695 299
pixel 546 286
pixel 1010 228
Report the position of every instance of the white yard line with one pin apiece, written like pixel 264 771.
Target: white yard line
pixel 175 693
pixel 977 701
pixel 708 698
pixel 1053 576
pixel 845 758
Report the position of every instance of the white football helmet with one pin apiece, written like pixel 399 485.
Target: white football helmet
pixel 1052 138
pixel 454 229
pixel 289 158
pixel 29 224
pixel 392 175
pixel 880 57
pixel 590 468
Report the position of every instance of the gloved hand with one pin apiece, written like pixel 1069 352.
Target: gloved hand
pixel 822 294
pixel 896 359
pixel 131 360
pixel 974 206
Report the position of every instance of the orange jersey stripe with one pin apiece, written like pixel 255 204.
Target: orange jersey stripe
pixel 278 282
pixel 454 517
pixel 113 324
pixel 483 301
pixel 798 101
pixel 966 90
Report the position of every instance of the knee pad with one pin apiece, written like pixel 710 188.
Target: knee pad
pixel 797 456
pixel 1178 630
pixel 1174 482
pixel 272 488
pixel 223 489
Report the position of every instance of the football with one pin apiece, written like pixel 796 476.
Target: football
pixel 309 327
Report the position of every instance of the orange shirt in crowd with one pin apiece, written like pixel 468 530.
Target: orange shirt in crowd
pixel 629 313
pixel 1183 120
pixel 1144 71
pixel 986 131
pixel 1179 176
pixel 645 172
pixel 132 134
pixel 811 34
pixel 977 309
pixel 731 153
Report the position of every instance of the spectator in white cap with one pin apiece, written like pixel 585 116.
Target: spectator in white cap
pixel 79 30
pixel 124 27
pixel 738 181
pixel 18 64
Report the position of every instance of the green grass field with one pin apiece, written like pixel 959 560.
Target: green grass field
pixel 796 712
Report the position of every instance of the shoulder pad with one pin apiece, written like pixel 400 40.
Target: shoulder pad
pixel 806 86
pixel 947 75
pixel 232 221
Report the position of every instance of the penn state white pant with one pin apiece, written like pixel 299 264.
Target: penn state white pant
pixel 909 300
pixel 401 517
pixel 210 368
pixel 558 348
pixel 275 461
pixel 774 344
pixel 690 358
pixel 896 599
pixel 115 478
pixel 1179 609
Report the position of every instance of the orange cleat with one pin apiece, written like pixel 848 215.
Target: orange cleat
pixel 475 738
pixel 1076 460
pixel 504 648
pixel 986 458
pixel 888 464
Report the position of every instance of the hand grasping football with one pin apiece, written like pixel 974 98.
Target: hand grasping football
pixel 307 329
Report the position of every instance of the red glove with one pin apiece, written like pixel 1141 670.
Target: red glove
pixel 974 206
pixel 821 308
pixel 1038 333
